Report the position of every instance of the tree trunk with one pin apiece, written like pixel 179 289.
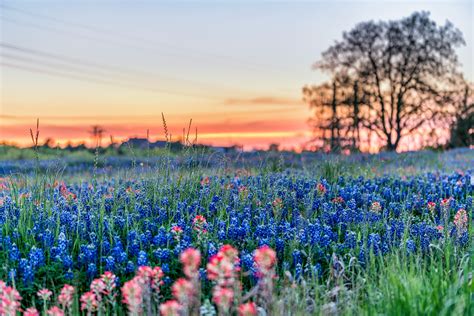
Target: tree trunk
pixel 334 126
pixel 356 134
pixel 391 146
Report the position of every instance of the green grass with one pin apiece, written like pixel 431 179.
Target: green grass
pixel 438 283
pixel 393 285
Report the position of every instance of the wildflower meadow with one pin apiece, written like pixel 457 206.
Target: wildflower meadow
pixel 207 234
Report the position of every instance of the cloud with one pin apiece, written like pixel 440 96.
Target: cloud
pixel 226 127
pixel 264 100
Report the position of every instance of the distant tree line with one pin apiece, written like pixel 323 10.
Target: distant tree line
pixel 391 82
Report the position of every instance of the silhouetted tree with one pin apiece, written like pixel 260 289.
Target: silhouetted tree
pixel 462 129
pixel 401 67
pixel 48 143
pixel 353 102
pixel 355 115
pixel 273 147
pixel 97 132
pixel 336 108
pixel 325 101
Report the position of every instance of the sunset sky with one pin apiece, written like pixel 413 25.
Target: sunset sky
pixel 236 68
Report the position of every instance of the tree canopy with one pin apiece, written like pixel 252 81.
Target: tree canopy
pixel 403 70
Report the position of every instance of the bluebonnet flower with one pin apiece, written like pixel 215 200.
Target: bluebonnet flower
pixel 26 271
pixel 297 257
pixel 36 257
pixel 212 249
pixel 362 257
pixel 162 254
pixel 62 242
pixel 142 259
pixel 69 275
pixel 165 267
pixel 298 271
pixel 463 239
pixel 110 263
pixel 91 270
pixel 135 225
pixel 411 246
pixel 246 259
pixel 67 261
pixel 130 268
pixel 14 253
pixel 221 235
pixel 350 240
pixel 374 243
pixel 161 239
pixel 202 274
pixel 280 246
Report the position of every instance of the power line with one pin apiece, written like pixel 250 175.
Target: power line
pixel 37 61
pixel 140 39
pixel 114 69
pixel 68 32
pixel 109 40
pixel 87 79
pixel 104 69
pixel 109 33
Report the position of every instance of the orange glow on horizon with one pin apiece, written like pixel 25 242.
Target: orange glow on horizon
pixel 251 134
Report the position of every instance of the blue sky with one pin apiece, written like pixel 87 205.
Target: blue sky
pixel 201 57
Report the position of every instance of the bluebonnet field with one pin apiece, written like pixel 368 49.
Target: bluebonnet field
pixel 248 234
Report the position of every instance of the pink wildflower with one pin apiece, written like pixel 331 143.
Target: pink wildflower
pixel 445 204
pixel 199 220
pixel 219 268
pixel 65 296
pixel 277 203
pixel 150 277
pixel 9 300
pixel 265 258
pixel 97 287
pixel 338 200
pixel 156 278
pixel 31 311
pixel 44 294
pixel 55 311
pixel 248 309
pixel 109 280
pixel 68 195
pixel 230 253
pixel 177 232
pixel 223 297
pixel 199 224
pixel 182 290
pixel 432 208
pixel 460 221
pixel 132 296
pixel 205 181
pixel 243 189
pixel 376 207
pixel 170 308
pixel 144 273
pixel 89 302
pixel 191 260
pixel 321 189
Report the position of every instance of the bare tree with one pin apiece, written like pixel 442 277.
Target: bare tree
pixel 325 102
pixel 97 132
pixel 401 67
pixel 336 114
pixel 462 125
